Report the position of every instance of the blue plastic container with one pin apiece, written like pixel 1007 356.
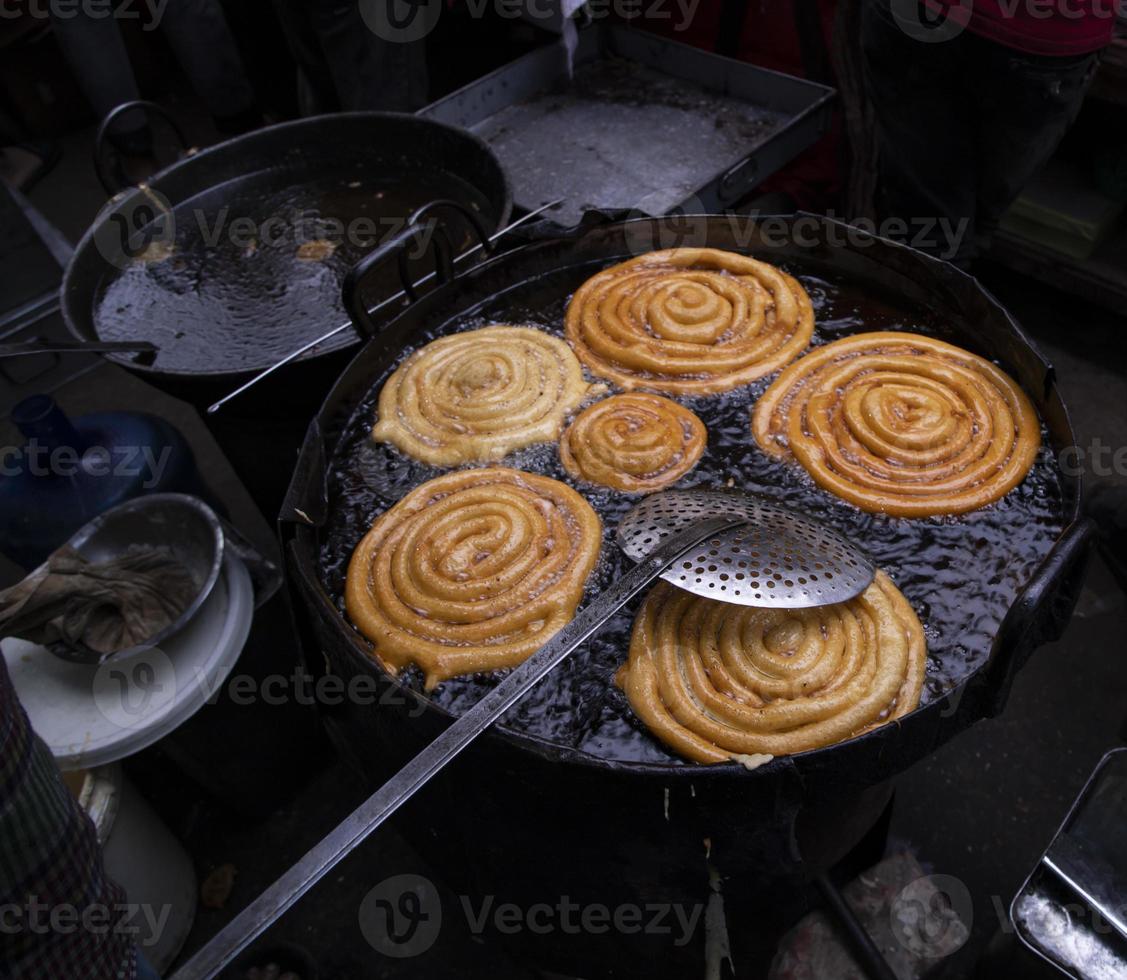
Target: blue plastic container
pixel 70 470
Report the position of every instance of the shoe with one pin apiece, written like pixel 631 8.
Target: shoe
pixel 25 164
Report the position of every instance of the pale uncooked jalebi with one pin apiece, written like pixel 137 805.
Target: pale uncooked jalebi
pixel 474 570
pixel 478 395
pixel 689 321
pixel 635 442
pixel 717 681
pixel 901 424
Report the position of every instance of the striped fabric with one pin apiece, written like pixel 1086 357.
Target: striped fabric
pixel 60 917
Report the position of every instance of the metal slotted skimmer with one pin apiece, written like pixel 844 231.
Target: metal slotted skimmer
pixel 778 559
pixel 726 546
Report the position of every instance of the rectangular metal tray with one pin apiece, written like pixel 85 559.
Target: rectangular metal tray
pixel 643 124
pixel 1057 911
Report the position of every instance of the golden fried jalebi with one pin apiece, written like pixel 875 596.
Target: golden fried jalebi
pixel 635 442
pixel 689 321
pixel 901 424
pixel 474 570
pixel 716 681
pixel 478 395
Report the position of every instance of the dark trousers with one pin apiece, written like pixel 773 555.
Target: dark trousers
pixel 342 56
pixel 199 36
pixel 963 123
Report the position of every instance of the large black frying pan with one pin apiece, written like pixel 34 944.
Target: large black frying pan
pixel 598 812
pixel 241 274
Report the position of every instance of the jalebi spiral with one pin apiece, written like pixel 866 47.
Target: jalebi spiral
pixel 901 424
pixel 478 395
pixel 635 442
pixel 716 681
pixel 471 571
pixel 689 321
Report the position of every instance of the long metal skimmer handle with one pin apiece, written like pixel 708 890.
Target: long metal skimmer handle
pixel 355 829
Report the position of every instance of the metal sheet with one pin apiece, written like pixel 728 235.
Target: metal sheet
pixel 1070 909
pixel 644 124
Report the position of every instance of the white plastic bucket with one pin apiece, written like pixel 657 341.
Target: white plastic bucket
pixel 144 858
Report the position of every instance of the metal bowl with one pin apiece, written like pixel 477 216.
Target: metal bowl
pixel 176 523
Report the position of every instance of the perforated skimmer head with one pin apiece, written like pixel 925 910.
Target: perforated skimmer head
pixel 778 559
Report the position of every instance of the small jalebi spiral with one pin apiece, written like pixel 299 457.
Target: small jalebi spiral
pixel 901 424
pixel 716 681
pixel 635 442
pixel 478 395
pixel 689 321
pixel 474 570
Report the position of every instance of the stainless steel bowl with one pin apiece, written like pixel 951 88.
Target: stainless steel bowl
pixel 182 525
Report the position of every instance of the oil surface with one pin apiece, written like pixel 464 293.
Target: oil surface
pixel 256 267
pixel 961 574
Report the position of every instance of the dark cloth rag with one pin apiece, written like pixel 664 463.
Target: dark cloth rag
pixel 100 606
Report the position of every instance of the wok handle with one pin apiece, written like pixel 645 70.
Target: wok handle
pixel 423 229
pixel 396 245
pixel 359 825
pixel 110 184
pixel 472 217
pixel 1041 611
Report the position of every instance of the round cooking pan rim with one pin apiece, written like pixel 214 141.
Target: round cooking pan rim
pixel 680 770
pixel 552 752
pixel 86 242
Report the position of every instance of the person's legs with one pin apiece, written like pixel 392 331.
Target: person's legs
pixel 317 92
pixel 369 72
pixel 202 42
pixel 1027 105
pixel 927 169
pixel 95 52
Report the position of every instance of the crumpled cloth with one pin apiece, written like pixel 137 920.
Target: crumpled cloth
pixel 100 606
